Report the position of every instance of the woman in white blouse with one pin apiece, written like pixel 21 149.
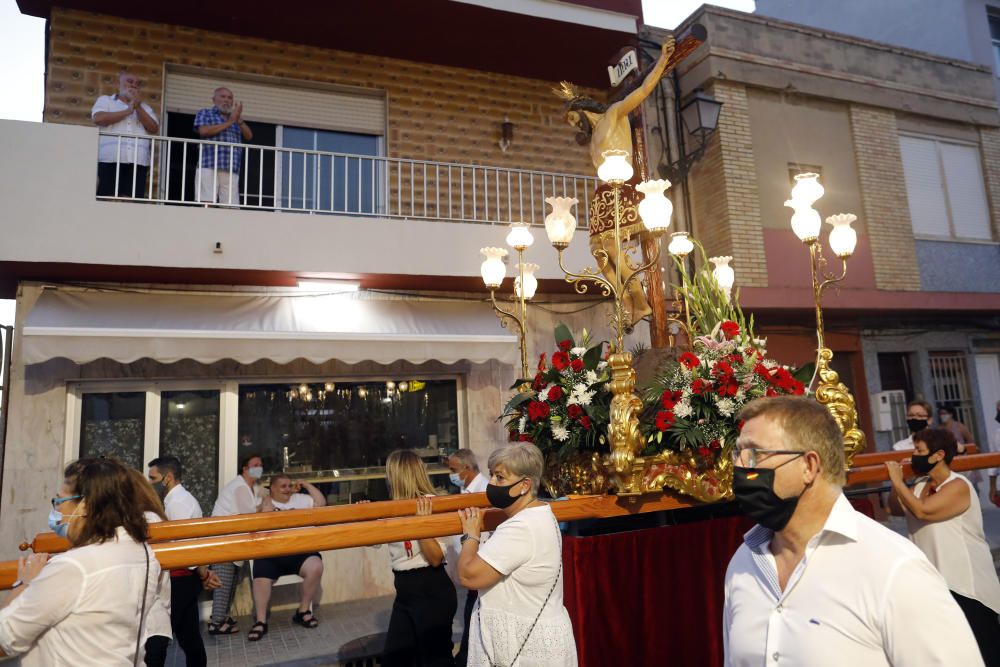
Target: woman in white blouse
pixel 944 519
pixel 420 624
pixel 89 605
pixel 520 619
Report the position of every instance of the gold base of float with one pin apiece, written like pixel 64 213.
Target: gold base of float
pixel 832 393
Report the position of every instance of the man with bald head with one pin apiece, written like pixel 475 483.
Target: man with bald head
pixel 218 177
pixel 123 162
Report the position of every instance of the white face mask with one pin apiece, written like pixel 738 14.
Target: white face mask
pixel 456 480
pixel 256 472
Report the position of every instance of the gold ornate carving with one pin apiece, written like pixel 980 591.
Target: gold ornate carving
pixel 832 393
pixel 580 473
pixel 624 435
pixel 679 471
pixel 602 212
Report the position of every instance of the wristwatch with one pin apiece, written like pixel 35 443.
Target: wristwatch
pixel 466 536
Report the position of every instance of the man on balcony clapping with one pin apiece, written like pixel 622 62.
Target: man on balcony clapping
pixel 218 178
pixel 123 162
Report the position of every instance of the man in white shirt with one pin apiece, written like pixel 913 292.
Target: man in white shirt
pixel 186 584
pixel 284 496
pixel 123 162
pixel 242 495
pixel 815 582
pixel 466 476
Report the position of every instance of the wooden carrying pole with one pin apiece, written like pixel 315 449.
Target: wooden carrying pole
pixel 228 548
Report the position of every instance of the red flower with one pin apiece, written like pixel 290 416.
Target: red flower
pixel 715 444
pixel 689 360
pixel 574 411
pixel 537 410
pixel 585 422
pixel 761 370
pixel 664 420
pixel 730 329
pixel 699 386
pixel 541 361
pixel 560 360
pixel 704 452
pixel 722 369
pixel 566 345
pixel 539 381
pixel 668 400
pixel 729 387
pixel 576 365
pixel 525 437
pixel 555 393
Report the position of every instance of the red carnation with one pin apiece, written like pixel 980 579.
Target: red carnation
pixel 537 410
pixel 730 329
pixel 574 411
pixel 699 386
pixel 585 422
pixel 576 365
pixel 525 437
pixel 555 393
pixel 566 345
pixel 560 360
pixel 664 420
pixel 689 360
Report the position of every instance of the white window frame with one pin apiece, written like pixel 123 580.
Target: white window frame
pixel 952 236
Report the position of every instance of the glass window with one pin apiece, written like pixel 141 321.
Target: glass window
pixel 113 424
pixel 189 430
pixel 994 22
pixel 346 182
pixel 340 433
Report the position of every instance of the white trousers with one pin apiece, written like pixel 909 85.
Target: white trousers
pixel 218 186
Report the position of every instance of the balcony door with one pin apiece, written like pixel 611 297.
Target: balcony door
pixel 329 172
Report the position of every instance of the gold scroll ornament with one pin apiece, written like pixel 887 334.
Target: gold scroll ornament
pixel 832 393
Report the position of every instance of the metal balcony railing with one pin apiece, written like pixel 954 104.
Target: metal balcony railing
pixel 317 182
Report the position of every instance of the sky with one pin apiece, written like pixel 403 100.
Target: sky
pixel 669 13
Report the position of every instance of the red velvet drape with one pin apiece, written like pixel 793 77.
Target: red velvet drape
pixel 654 596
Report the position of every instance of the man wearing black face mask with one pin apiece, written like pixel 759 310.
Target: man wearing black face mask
pixel 816 582
pixel 918 417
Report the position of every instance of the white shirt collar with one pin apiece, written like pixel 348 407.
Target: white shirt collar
pixel 842 520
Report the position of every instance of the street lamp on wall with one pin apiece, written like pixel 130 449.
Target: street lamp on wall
pixel 699 118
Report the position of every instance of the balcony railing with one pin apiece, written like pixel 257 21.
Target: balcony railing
pixel 322 182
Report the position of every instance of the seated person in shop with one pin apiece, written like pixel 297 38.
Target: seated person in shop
pixel 284 495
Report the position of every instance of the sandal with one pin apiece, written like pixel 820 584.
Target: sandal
pixel 227 627
pixel 255 634
pixel 300 618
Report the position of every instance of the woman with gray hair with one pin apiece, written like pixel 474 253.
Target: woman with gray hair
pixel 520 618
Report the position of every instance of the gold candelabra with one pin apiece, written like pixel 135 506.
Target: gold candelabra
pixel 493 272
pixel 655 209
pixel 806 224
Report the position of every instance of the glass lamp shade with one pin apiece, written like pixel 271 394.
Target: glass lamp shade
pixel 615 168
pixel 680 244
pixel 843 237
pixel 806 222
pixel 723 273
pixel 530 282
pixel 493 269
pixel 404 385
pixel 520 236
pixel 560 223
pixel 655 209
pixel 807 189
pixel 700 114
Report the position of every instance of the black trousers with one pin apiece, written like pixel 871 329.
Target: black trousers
pixel 156 651
pixel 108 173
pixel 184 618
pixel 420 624
pixel 462 657
pixel 985 626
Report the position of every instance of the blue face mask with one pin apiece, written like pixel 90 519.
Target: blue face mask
pixel 456 480
pixel 55 525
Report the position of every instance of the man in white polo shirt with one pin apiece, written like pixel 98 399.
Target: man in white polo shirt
pixel 465 475
pixel 815 582
pixel 123 162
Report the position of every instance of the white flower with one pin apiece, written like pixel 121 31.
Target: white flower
pixel 601 365
pixel 740 394
pixel 578 351
pixel 522 423
pixel 544 393
pixel 560 432
pixel 580 395
pixel 726 406
pixel 770 363
pixel 591 378
pixel 683 409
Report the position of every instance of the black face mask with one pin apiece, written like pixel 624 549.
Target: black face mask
pixel 921 464
pixel 499 496
pixel 998 417
pixel 754 490
pixel 916 425
pixel 161 489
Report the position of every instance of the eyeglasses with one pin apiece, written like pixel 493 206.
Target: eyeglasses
pixel 56 502
pixel 751 456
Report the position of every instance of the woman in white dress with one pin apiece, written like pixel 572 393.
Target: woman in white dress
pixel 520 620
pixel 944 519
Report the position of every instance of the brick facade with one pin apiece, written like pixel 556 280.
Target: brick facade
pixel 724 191
pixel 437 113
pixel 989 143
pixel 883 195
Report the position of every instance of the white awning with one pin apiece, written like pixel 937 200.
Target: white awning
pixel 84 326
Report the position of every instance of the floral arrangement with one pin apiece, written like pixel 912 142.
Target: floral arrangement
pixel 693 402
pixel 564 408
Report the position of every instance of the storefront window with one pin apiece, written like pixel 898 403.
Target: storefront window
pixel 189 430
pixel 339 433
pixel 113 424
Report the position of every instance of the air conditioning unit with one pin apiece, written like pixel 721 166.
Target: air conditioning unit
pixel 889 411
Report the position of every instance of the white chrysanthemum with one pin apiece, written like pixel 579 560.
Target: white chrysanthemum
pixel 580 395
pixel 544 392
pixel 725 406
pixel 578 351
pixel 522 423
pixel 683 409
pixel 591 378
pixel 560 432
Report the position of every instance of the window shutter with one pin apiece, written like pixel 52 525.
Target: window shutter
pixel 362 112
pixel 924 187
pixel 966 193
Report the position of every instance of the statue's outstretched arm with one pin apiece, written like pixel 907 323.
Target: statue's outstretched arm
pixel 635 98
